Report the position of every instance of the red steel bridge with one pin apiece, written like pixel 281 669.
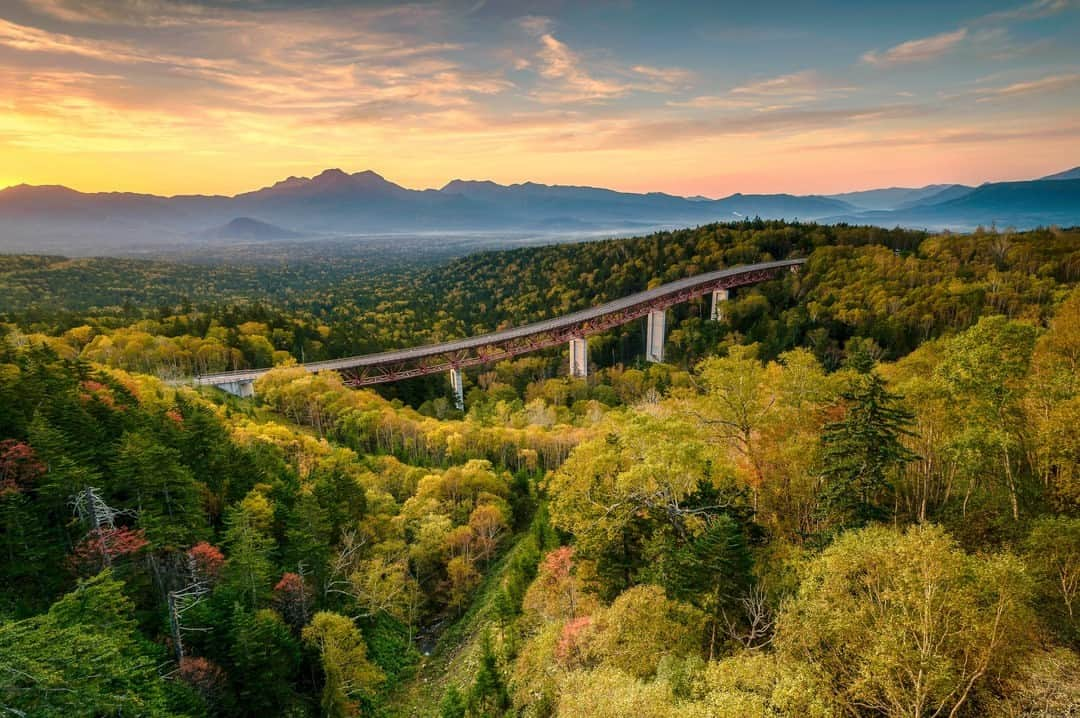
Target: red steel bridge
pixel 570 329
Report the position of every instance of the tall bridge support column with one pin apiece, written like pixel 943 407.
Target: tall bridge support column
pixel 654 337
pixel 458 387
pixel 242 389
pixel 719 296
pixel 579 358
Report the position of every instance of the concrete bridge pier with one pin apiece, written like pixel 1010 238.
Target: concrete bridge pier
pixel 719 296
pixel 458 387
pixel 579 358
pixel 245 389
pixel 655 335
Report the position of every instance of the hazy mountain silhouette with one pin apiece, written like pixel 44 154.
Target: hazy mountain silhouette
pixel 246 228
pixel 944 194
pixel 896 197
pixel 56 218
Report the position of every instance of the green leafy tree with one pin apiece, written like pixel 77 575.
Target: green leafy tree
pixel 906 623
pixel 453 704
pixel 618 491
pixel 984 373
pixel 1052 552
pixel 348 675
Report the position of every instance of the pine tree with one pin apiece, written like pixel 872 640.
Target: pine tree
pixel 159 488
pixel 861 450
pixel 488 697
pixel 714 572
pixel 342 498
pixel 248 570
pixel 265 659
pixel 453 705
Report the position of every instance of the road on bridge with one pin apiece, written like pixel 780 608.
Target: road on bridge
pixel 570 328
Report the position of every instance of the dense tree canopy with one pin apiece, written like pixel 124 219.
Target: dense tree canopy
pixel 856 494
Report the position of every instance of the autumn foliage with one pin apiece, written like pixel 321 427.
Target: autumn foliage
pixel 19 466
pixel 102 547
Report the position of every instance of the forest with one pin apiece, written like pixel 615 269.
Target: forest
pixel 857 494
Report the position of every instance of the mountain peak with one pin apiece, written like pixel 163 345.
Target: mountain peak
pixel 334 173
pixel 459 185
pixel 248 228
pixel 26 190
pixel 330 182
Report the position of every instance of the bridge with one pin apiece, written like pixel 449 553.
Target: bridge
pixel 571 329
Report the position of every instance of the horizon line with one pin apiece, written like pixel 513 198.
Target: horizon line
pixel 512 184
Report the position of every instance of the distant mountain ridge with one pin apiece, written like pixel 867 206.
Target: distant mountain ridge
pixel 53 217
pixel 895 197
pixel 1072 174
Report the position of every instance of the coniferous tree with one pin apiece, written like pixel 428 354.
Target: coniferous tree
pixel 714 572
pixel 452 705
pixel 488 697
pixel 159 489
pixel 860 451
pixel 83 657
pixel 265 658
pixel 248 569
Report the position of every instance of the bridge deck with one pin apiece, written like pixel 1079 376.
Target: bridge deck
pixel 566 321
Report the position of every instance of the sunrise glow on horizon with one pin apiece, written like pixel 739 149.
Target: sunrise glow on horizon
pixel 224 97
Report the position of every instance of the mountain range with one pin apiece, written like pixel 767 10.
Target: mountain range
pixel 336 203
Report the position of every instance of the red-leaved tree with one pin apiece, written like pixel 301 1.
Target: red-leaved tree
pixel 102 547
pixel 204 676
pixel 19 466
pixel 206 562
pixel 292 597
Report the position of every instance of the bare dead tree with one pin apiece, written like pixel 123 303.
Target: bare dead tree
pixel 755 630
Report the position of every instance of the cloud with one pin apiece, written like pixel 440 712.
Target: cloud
pixel 795 83
pixel 278 78
pixel 30 39
pixel 276 83
pixel 770 94
pixel 664 78
pixel 922 50
pixel 780 121
pixel 715 102
pixel 1031 11
pixel 575 83
pixel 162 13
pixel 535 25
pixel 567 77
pixel 804 84
pixel 965 136
pixel 1051 83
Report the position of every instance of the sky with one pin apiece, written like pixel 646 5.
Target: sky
pixel 692 98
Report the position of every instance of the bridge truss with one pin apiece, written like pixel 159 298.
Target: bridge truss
pixel 544 338
pixel 455 355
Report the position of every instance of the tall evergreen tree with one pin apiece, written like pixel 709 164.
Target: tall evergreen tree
pixel 714 572
pixel 488 697
pixel 861 450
